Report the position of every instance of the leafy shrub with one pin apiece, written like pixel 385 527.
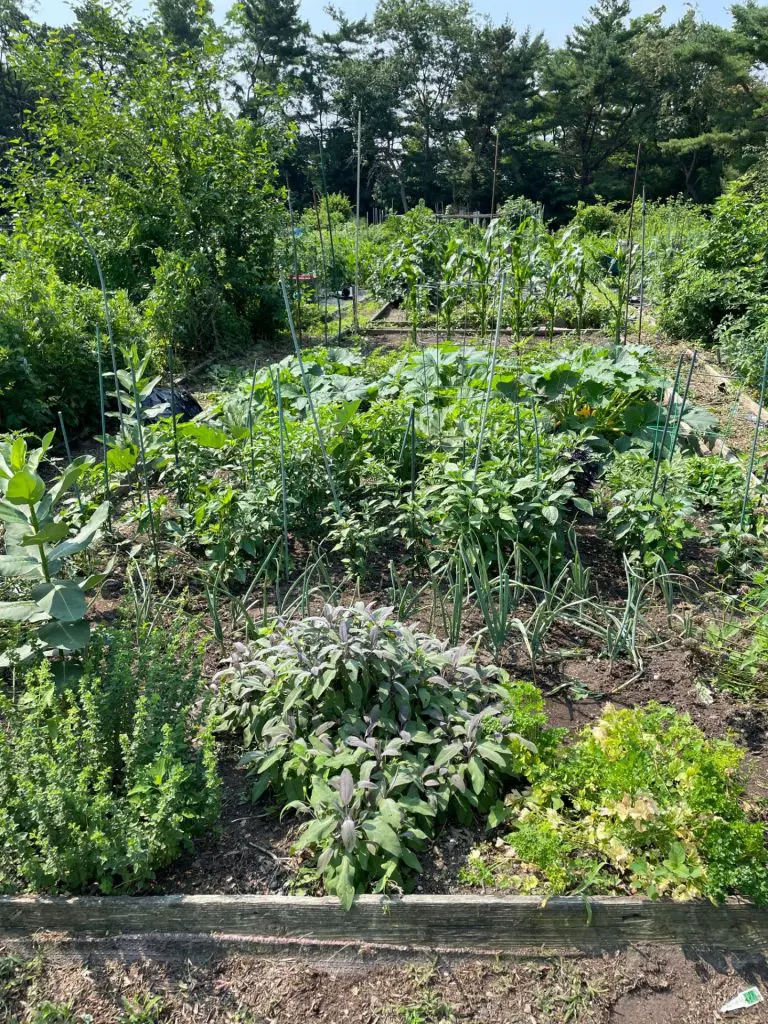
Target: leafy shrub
pixel 714 291
pixel 48 345
pixel 597 218
pixel 642 802
pixel 108 779
pixel 742 341
pixel 517 209
pixel 380 733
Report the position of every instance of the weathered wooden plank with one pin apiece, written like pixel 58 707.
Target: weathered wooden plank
pixel 446 922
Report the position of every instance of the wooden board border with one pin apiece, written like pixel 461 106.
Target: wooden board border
pixel 467 923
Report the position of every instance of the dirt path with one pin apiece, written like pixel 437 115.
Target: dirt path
pixel 640 985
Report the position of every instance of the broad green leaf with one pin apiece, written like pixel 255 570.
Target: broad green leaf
pixel 62 600
pixel 18 454
pixel 19 565
pixel 66 636
pixel 476 774
pixel 82 539
pixel 51 533
pixel 379 832
pixel 25 488
pixel 69 478
pixel 583 505
pixel 11 514
pixel 345 882
pixel 448 752
pixel 17 611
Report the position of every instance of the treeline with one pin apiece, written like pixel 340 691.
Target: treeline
pixel 438 86
pixel 445 95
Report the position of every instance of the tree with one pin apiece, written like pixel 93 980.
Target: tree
pixel 499 93
pixel 272 47
pixel 601 102
pixel 431 42
pixel 177 193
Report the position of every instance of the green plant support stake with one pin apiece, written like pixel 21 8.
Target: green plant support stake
pixel 144 470
pixel 642 269
pixel 330 232
pixel 323 265
pixel 283 485
pixel 412 429
pixel 308 392
pixel 679 419
pixel 295 257
pixel 491 372
pixel 250 422
pixel 103 414
pixel 107 314
pixel 753 451
pixel 176 460
pixel 660 453
pixel 68 450
pixel 537 452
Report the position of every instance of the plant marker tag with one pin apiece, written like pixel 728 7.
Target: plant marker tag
pixel 749 997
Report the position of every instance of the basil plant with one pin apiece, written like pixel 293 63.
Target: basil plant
pixel 38 548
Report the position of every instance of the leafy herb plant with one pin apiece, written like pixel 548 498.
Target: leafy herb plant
pixel 377 734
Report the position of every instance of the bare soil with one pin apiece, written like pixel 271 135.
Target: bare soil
pixel 643 985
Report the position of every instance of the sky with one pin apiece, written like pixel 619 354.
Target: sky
pixel 554 17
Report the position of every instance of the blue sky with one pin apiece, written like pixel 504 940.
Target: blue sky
pixel 554 17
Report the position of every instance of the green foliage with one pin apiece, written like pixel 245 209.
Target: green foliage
pixel 108 778
pixel 38 547
pixel 738 641
pixel 714 291
pixel 642 802
pixel 597 218
pixel 647 528
pixel 48 343
pixel 379 734
pixel 132 137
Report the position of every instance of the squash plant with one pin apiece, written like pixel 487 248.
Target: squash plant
pixel 38 547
